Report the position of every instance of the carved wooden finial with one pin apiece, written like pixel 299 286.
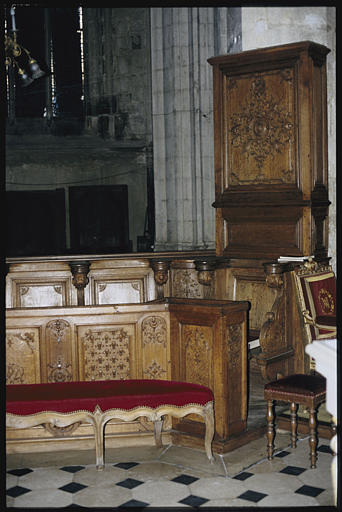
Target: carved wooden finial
pixel 160 269
pixel 79 270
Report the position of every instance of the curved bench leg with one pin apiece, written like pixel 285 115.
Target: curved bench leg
pixel 208 414
pixel 99 426
pixel 157 426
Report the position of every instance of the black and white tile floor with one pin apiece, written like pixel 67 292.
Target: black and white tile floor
pixel 173 476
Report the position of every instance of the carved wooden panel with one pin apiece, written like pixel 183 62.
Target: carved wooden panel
pixel 119 291
pixel 22 356
pixel 251 286
pixel 261 127
pixel 155 347
pixel 40 295
pixel 197 356
pixel 105 352
pixel 236 355
pixel 59 358
pixel 185 284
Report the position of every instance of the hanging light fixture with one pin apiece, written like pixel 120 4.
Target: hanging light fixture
pixel 28 69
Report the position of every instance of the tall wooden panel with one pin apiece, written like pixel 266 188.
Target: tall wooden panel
pixel 271 194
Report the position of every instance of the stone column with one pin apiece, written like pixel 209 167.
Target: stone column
pixel 182 39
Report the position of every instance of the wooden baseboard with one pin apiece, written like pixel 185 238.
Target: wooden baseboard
pixel 324 429
pixel 219 446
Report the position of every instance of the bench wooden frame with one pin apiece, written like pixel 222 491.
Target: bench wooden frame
pixel 99 418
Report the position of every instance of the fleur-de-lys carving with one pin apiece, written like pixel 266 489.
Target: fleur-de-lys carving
pixel 96 344
pixel 154 330
pixel 263 127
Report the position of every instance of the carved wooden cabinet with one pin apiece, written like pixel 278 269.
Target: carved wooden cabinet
pixel 270 130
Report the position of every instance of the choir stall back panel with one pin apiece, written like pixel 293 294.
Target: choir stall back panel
pixel 270 130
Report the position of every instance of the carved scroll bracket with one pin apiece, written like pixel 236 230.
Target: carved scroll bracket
pixel 79 270
pixel 205 269
pixel 272 337
pixel 160 269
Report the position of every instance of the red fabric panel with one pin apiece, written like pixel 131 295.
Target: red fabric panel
pixel 113 394
pixel 324 296
pixel 323 293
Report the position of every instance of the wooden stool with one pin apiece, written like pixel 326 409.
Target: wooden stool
pixel 299 389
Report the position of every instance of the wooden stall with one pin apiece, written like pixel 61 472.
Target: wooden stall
pixel 199 341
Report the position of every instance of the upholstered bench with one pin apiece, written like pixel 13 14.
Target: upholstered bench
pixel 65 403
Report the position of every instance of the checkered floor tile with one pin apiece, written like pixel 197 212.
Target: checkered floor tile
pixel 122 484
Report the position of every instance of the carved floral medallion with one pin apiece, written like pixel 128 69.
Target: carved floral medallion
pixel 262 128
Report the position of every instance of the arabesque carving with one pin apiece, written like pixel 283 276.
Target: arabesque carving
pixel 58 329
pixel 154 331
pixel 185 284
pixel 15 374
pixel 106 354
pixel 197 354
pixel 27 337
pixel 234 336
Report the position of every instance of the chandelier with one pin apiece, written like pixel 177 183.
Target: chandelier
pixel 20 58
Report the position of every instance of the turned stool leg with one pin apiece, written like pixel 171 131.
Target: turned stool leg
pixel 313 437
pixel 270 428
pixel 293 410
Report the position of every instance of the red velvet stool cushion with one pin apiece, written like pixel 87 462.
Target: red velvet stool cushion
pixel 298 386
pixel 113 394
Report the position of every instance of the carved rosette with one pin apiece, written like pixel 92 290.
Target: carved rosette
pixel 234 337
pixel 262 129
pixel 185 284
pixel 106 354
pixel 59 371
pixel 154 331
pixel 154 371
pixel 197 354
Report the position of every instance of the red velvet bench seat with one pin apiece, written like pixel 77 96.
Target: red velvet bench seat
pixel 61 404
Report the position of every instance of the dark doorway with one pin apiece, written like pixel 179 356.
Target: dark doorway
pixel 35 223
pixel 99 219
